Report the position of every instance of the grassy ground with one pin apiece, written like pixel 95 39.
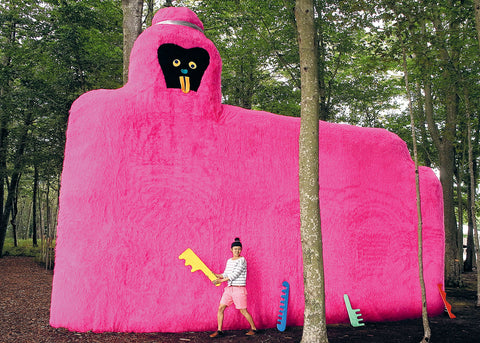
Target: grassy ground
pixel 24 248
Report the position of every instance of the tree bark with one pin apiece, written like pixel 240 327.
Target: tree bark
pixel 459 176
pixel 445 146
pixel 15 179
pixel 323 110
pixel 315 329
pixel 150 12
pixel 447 154
pixel 472 190
pixel 3 168
pixel 13 217
pixel 427 333
pixel 477 18
pixel 452 264
pixel 132 27
pixel 470 251
pixel 423 125
pixel 34 206
pixel 444 140
pixel 5 207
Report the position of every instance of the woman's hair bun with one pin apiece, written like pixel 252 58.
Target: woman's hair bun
pixel 236 243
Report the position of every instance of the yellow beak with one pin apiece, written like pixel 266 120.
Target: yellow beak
pixel 185 83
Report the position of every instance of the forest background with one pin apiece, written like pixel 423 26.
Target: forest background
pixel 52 51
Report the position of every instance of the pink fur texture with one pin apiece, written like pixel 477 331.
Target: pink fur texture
pixel 150 171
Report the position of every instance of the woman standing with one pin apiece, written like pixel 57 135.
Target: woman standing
pixel 235 293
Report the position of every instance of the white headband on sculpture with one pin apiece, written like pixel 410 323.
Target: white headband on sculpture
pixel 180 22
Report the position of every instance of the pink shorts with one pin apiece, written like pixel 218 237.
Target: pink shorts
pixel 235 295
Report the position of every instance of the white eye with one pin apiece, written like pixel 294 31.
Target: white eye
pixel 192 65
pixel 176 62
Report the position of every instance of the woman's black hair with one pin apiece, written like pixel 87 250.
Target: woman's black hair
pixel 237 243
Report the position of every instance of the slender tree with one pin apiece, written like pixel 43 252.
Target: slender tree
pixel 477 18
pixel 434 39
pixel 18 165
pixel 150 12
pixel 132 27
pixel 315 329
pixel 34 206
pixel 472 190
pixel 427 333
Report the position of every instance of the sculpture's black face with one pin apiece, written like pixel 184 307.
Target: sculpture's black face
pixel 183 68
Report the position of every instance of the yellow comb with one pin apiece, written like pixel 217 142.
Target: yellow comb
pixel 191 259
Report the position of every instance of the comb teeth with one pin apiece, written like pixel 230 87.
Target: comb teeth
pixel 191 259
pixel 282 317
pixel 354 317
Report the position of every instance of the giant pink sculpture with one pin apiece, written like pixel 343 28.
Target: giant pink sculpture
pixel 161 165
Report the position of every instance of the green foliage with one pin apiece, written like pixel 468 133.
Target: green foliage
pixel 442 47
pixel 87 43
pixel 50 53
pixel 257 42
pixel 59 50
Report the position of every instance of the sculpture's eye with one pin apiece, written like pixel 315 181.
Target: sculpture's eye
pixel 192 65
pixel 176 62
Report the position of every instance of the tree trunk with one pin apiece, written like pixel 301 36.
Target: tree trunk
pixel 47 239
pixel 452 264
pixel 446 153
pixel 472 190
pixel 34 206
pixel 132 27
pixel 469 259
pixel 459 176
pixel 323 111
pixel 447 169
pixel 13 220
pixel 17 168
pixel 3 170
pixel 423 126
pixel 4 132
pixel 444 141
pixel 427 333
pixel 477 18
pixel 470 250
pixel 150 12
pixel 8 209
pixel 450 77
pixel 315 329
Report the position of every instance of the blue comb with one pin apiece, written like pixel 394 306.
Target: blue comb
pixel 282 317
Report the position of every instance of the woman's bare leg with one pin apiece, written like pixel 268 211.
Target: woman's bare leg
pixel 249 318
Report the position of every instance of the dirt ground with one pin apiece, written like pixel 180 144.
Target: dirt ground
pixel 25 289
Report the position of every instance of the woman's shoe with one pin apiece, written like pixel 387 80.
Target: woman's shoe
pixel 251 333
pixel 216 334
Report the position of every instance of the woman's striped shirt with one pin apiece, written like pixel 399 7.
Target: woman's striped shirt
pixel 236 271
